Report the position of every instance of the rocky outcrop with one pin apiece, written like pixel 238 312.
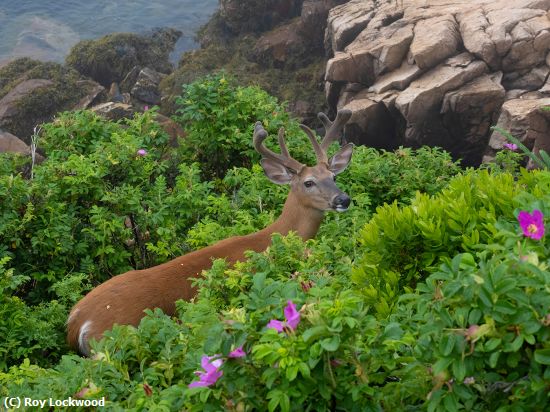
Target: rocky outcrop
pixel 283 47
pixel 146 87
pixel 32 92
pixel 298 42
pixel 110 58
pixel 439 72
pixel 12 144
pixel 241 16
pixel 277 45
pixel 525 119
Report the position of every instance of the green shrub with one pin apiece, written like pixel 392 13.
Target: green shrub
pixel 401 246
pixel 96 208
pixel 219 119
pixel 483 328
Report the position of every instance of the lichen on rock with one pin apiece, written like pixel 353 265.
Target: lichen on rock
pixel 110 58
pixel 33 92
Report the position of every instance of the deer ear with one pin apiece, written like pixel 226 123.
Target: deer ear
pixel 341 159
pixel 276 172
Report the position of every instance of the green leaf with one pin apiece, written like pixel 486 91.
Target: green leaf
pixel 459 370
pixel 331 344
pixel 542 356
pixel 447 344
pixel 314 332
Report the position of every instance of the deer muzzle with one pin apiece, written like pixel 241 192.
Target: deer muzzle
pixel 341 202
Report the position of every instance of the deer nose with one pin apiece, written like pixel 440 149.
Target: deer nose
pixel 341 202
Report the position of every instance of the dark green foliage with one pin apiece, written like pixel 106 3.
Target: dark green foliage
pixel 219 119
pixel 432 301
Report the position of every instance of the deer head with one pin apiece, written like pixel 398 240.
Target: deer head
pixel 313 186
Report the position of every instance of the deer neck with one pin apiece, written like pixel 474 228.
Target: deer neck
pixel 295 217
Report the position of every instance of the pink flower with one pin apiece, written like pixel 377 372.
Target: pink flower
pixel 532 224
pixel 511 146
pixel 145 108
pixel 211 374
pixel 292 317
pixel 237 353
pixel 142 152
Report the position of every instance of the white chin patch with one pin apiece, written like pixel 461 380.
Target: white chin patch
pixel 341 209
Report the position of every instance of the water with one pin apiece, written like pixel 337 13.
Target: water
pixel 47 29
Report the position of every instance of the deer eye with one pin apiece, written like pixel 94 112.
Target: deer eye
pixel 309 183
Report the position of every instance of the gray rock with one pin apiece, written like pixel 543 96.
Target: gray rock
pixel 525 120
pixel 146 87
pixel 114 111
pixel 92 97
pixel 409 59
pixel 345 22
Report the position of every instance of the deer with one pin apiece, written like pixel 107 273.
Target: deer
pixel 123 298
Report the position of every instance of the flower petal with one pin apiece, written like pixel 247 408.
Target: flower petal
pixel 292 315
pixel 524 218
pixel 212 377
pixel 538 217
pixel 211 363
pixel 237 353
pixel 275 324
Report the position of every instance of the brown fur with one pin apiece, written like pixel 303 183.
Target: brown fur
pixel 123 298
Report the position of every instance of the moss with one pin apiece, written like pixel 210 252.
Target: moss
pixel 13 71
pixel 111 57
pixel 234 57
pixel 42 104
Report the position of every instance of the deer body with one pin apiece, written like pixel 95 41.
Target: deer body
pixel 123 298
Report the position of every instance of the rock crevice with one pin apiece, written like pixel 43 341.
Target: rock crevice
pixel 442 73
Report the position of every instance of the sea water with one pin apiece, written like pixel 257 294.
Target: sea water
pixel 47 29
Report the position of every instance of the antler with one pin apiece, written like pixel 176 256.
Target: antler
pixel 332 132
pixel 285 159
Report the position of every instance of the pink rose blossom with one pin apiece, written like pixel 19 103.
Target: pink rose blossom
pixel 211 374
pixel 532 225
pixel 292 317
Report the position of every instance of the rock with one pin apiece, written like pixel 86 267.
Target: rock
pixel 468 114
pixel 345 22
pixel 304 111
pixel 439 71
pixel 130 79
pixel 114 94
pixel 426 93
pixel 146 87
pixel 9 103
pixel 364 60
pixel 114 111
pixel 398 79
pixel 37 91
pixel 525 120
pixel 110 58
pixel 13 115
pixel 314 19
pixel 370 123
pixel 434 40
pixel 242 16
pixel 12 144
pixel 96 92
pixel 527 80
pixel 277 47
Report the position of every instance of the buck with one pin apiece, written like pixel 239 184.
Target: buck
pixel 123 298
